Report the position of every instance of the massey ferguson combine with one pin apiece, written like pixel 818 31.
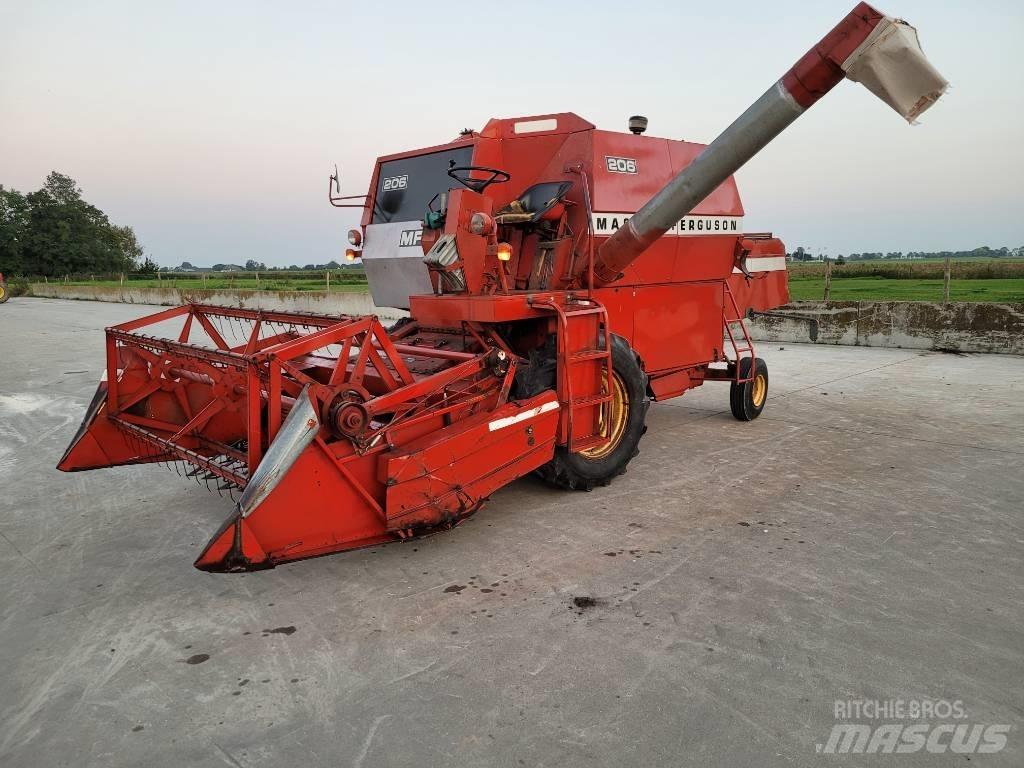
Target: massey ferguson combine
pixel 558 278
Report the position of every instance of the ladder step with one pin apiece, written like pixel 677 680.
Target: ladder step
pixel 584 443
pixel 587 354
pixel 583 402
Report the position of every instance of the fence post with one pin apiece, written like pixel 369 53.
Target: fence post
pixel 945 282
pixel 828 279
pixel 328 281
pixel 122 279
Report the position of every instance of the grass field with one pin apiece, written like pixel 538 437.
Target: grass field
pixel 912 280
pixel 928 269
pixel 803 288
pixel 998 280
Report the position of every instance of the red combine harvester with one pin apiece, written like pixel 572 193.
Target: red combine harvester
pixel 558 277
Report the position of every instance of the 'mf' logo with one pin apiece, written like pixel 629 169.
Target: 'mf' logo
pixel 620 164
pixel 410 237
pixel 396 182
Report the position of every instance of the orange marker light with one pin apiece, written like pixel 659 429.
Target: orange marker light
pixel 504 251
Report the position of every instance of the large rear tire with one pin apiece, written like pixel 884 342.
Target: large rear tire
pixel 626 425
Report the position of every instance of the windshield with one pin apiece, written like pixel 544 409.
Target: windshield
pixel 405 186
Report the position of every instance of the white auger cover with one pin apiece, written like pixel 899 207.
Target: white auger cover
pixel 891 64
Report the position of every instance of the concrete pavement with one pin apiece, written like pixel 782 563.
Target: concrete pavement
pixel 861 540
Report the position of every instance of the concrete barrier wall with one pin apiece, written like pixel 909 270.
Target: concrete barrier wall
pixel 333 303
pixel 960 326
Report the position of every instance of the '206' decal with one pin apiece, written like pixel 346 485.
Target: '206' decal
pixel 620 164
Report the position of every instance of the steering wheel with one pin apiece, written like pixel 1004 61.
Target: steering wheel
pixel 477 185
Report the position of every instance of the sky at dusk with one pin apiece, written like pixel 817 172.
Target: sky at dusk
pixel 211 127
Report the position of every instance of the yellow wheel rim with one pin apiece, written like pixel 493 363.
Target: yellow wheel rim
pixel 759 390
pixel 613 425
pixel 3 292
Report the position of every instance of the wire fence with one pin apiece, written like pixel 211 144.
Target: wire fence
pixel 352 278
pixel 908 270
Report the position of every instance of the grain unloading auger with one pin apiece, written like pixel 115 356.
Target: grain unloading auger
pixel 544 317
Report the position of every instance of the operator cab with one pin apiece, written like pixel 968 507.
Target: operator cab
pixel 542 201
pixel 406 188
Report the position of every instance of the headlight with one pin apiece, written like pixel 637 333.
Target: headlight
pixel 355 237
pixel 481 224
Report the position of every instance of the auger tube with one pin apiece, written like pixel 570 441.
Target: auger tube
pixel 867 46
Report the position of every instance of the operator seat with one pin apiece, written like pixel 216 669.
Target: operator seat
pixel 541 202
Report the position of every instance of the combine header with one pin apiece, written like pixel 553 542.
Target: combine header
pixel 558 278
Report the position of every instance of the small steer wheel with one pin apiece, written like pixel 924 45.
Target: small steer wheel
pixel 599 465
pixel 477 185
pixel 747 400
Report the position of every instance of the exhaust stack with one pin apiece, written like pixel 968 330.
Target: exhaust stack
pixel 878 51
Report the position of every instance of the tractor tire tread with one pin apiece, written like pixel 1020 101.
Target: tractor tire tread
pixel 560 471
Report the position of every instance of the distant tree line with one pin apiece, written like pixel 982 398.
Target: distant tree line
pixel 54 231
pixel 258 266
pixel 983 252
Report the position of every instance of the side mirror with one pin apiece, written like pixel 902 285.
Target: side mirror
pixel 335 197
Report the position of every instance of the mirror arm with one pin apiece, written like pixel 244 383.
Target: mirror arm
pixel 334 185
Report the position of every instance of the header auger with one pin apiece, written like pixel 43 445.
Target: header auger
pixel 558 278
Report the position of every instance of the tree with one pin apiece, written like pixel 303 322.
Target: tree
pixel 54 231
pixel 13 229
pixel 254 266
pixel 131 251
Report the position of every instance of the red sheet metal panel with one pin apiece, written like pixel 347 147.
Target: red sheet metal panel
pixel 446 475
pixel 676 326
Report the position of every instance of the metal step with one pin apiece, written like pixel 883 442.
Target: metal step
pixel 584 402
pixel 588 354
pixel 586 443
